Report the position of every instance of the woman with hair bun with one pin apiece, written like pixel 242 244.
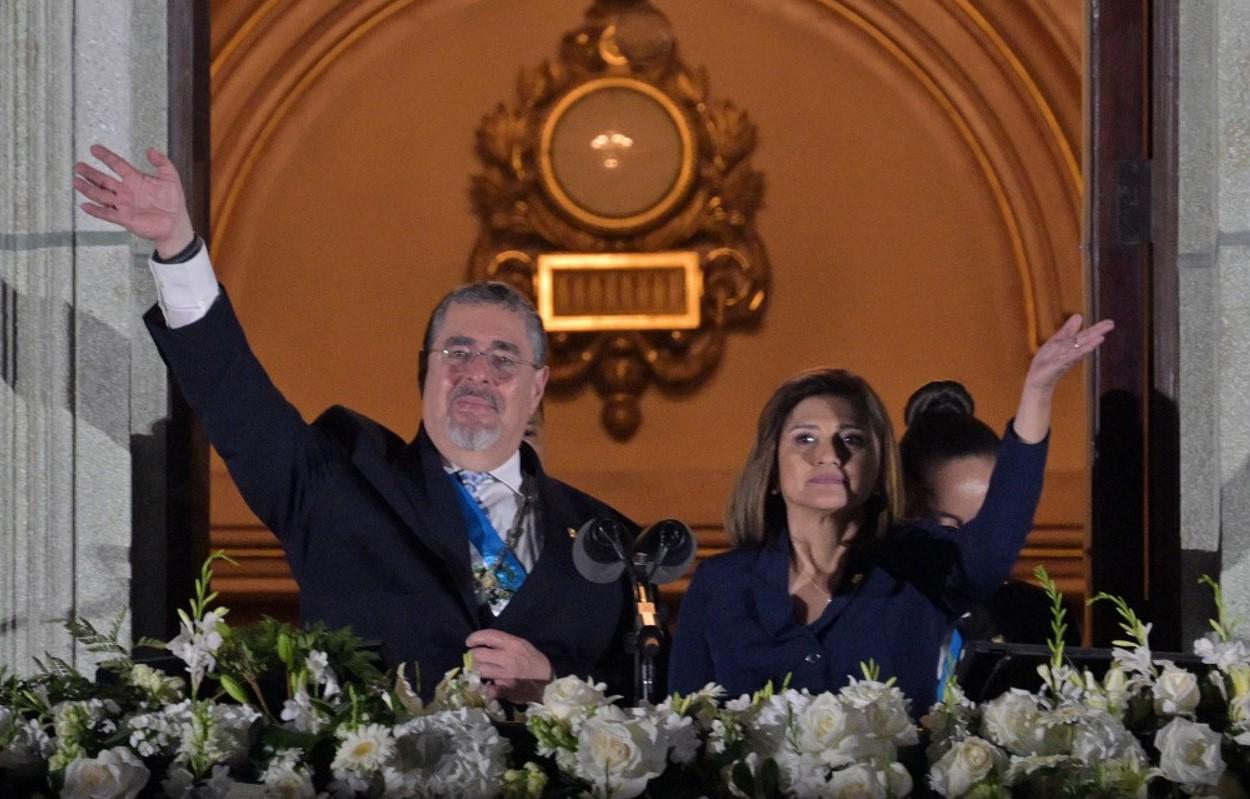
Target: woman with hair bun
pixel 948 456
pixel 947 453
pixel 826 574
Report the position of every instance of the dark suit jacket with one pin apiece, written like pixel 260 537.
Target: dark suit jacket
pixel 897 601
pixel 371 526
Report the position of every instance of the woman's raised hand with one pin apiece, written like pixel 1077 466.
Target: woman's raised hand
pixel 1065 348
pixel 152 207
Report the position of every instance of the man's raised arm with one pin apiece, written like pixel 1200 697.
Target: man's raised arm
pixel 153 207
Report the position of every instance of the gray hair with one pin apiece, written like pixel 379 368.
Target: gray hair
pixel 487 292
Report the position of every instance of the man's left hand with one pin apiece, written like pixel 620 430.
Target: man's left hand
pixel 517 671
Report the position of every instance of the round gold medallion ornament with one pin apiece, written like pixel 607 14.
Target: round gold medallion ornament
pixel 616 154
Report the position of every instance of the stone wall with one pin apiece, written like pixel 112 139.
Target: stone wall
pixel 82 384
pixel 1214 285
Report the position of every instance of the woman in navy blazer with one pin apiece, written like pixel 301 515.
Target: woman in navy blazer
pixel 824 575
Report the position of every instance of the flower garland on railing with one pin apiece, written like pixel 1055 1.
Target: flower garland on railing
pixel 269 710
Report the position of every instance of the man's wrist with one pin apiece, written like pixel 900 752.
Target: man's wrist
pixel 166 254
pixel 178 240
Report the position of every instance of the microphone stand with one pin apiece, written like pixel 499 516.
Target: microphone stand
pixel 602 550
pixel 648 635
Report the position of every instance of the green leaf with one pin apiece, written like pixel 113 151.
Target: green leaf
pixel 770 778
pixel 743 780
pixel 286 650
pixel 1058 616
pixel 232 687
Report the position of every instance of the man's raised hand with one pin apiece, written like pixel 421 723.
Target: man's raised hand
pixel 152 207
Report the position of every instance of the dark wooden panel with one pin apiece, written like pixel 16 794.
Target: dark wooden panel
pixel 1132 241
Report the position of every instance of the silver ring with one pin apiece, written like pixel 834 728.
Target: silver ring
pixel 1076 344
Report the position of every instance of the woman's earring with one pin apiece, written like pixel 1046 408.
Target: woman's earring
pixel 774 491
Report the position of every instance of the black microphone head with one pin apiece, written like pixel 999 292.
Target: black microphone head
pixel 669 547
pixel 599 550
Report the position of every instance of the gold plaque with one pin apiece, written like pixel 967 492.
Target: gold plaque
pixel 582 292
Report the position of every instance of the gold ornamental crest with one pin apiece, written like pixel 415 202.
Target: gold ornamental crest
pixel 619 196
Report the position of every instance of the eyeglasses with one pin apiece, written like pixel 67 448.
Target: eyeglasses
pixel 500 364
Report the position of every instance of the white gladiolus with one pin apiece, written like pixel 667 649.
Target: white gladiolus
pixel 1189 753
pixel 318 664
pixel 197 644
pixel 300 714
pixel 113 774
pixel 1137 663
pixel 1176 692
pixel 1224 655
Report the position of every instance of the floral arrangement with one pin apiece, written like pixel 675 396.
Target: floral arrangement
pixel 269 710
pixel 1145 728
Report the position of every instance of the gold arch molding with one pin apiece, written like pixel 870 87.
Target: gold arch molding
pixel 254 69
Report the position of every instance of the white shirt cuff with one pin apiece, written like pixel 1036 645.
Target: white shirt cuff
pixel 185 291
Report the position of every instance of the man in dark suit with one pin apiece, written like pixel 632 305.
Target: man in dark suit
pixel 456 540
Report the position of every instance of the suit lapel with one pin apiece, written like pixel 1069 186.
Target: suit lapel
pixel 770 585
pixel 417 489
pixel 554 523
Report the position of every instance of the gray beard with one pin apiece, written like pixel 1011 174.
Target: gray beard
pixel 475 439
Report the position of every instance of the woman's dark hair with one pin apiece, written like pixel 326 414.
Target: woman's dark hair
pixel 941 426
pixel 757 513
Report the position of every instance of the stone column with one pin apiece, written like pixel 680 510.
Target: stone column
pixel 80 379
pixel 1214 260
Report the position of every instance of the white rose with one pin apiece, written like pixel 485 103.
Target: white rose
pixel 898 780
pixel 113 774
pixel 619 755
pixel 827 727
pixel 1011 721
pixel 885 710
pixel 966 764
pixel 765 724
pixel 855 782
pixel 1176 692
pixel 1189 753
pixel 1101 737
pixel 571 696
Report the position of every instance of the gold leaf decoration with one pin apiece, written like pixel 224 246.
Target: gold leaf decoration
pixel 499 135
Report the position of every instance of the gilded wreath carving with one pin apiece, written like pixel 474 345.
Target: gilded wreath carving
pixel 545 188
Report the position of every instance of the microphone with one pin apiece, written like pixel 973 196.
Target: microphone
pixel 601 550
pixel 665 549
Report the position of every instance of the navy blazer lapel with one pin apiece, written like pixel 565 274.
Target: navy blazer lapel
pixel 417 488
pixel 555 522
pixel 770 585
